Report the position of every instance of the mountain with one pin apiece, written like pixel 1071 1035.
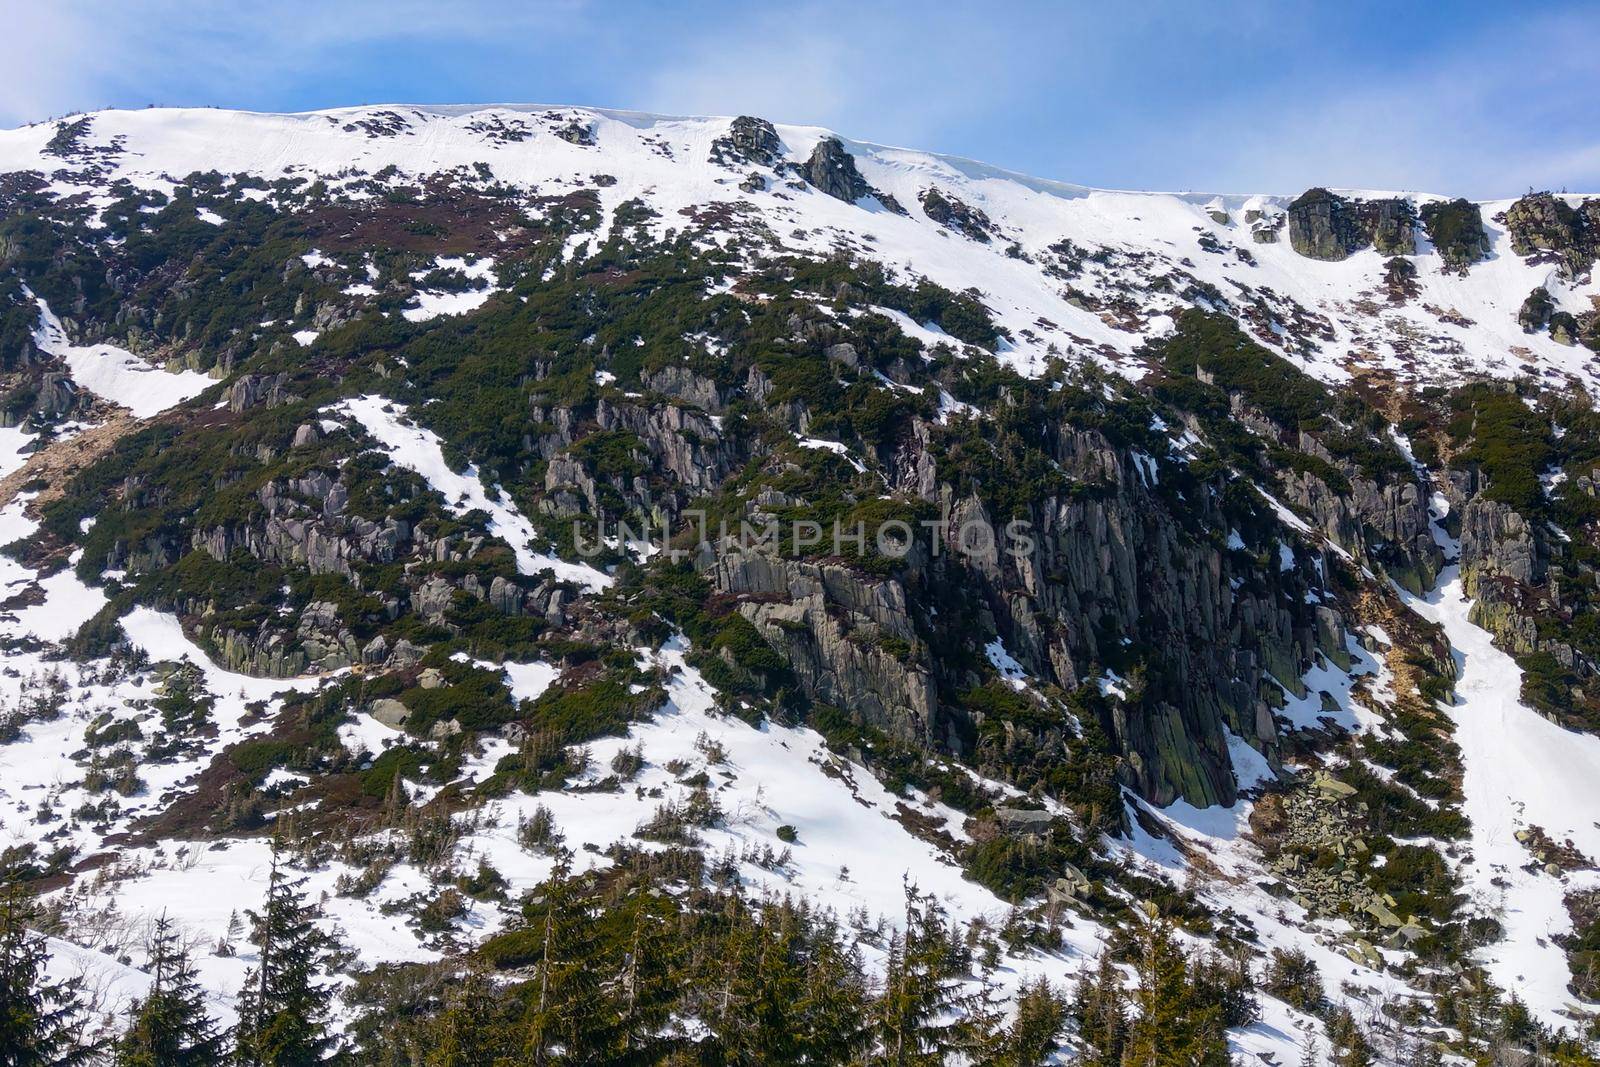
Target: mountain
pixel 890 576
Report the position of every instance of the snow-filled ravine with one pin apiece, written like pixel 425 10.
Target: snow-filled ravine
pixel 1520 771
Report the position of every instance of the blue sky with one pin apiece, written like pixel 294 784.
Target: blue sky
pixel 1469 98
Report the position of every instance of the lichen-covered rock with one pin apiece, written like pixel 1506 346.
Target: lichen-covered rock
pixel 1534 315
pixel 748 140
pixel 1324 225
pixel 1546 228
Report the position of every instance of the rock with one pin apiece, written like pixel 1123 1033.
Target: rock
pixel 56 395
pixel 254 390
pixel 953 214
pixel 430 679
pixel 1456 230
pixel 843 353
pixel 1323 225
pixel 750 140
pixel 405 653
pixel 1546 228
pixel 389 711
pixel 306 434
pixel 444 729
pixel 1534 315
pixel 1022 820
pixel 1326 785
pixel 832 170
pixel 577 132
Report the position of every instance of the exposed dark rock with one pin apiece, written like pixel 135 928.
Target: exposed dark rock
pixel 1534 315
pixel 953 214
pixel 1323 225
pixel 577 132
pixel 833 171
pixel 1456 229
pixel 748 140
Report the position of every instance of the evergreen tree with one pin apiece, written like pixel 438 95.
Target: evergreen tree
pixel 833 1002
pixel 645 989
pixel 40 1021
pixel 1350 1047
pixel 569 1019
pixel 1175 1026
pixel 283 1011
pixel 1100 1011
pixel 1036 1031
pixel 471 1029
pixel 170 1027
pixel 925 1012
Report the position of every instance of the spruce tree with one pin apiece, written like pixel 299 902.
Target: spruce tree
pixel 644 988
pixel 283 1011
pixel 1175 1027
pixel 569 1019
pixel 40 1021
pixel 1036 1031
pixel 832 1011
pixel 926 1013
pixel 470 1029
pixel 1099 1008
pixel 170 1027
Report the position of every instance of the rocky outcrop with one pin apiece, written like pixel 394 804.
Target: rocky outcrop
pixel 1108 568
pixel 954 214
pixel 832 170
pixel 255 390
pixel 836 629
pixel 1534 315
pixel 1546 228
pixel 1385 524
pixel 748 140
pixel 1323 225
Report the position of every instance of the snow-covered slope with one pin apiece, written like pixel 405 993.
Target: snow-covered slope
pixel 1141 249
pixel 1065 271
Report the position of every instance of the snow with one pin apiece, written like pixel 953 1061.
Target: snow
pixel 14 442
pixel 1135 237
pixel 114 373
pixel 527 681
pixel 420 450
pixel 430 304
pixel 304 338
pixel 850 851
pixel 835 447
pixel 1521 770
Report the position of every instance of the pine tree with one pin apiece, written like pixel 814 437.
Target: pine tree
pixel 283 1011
pixel 170 1027
pixel 40 1021
pixel 1174 1027
pixel 1099 1009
